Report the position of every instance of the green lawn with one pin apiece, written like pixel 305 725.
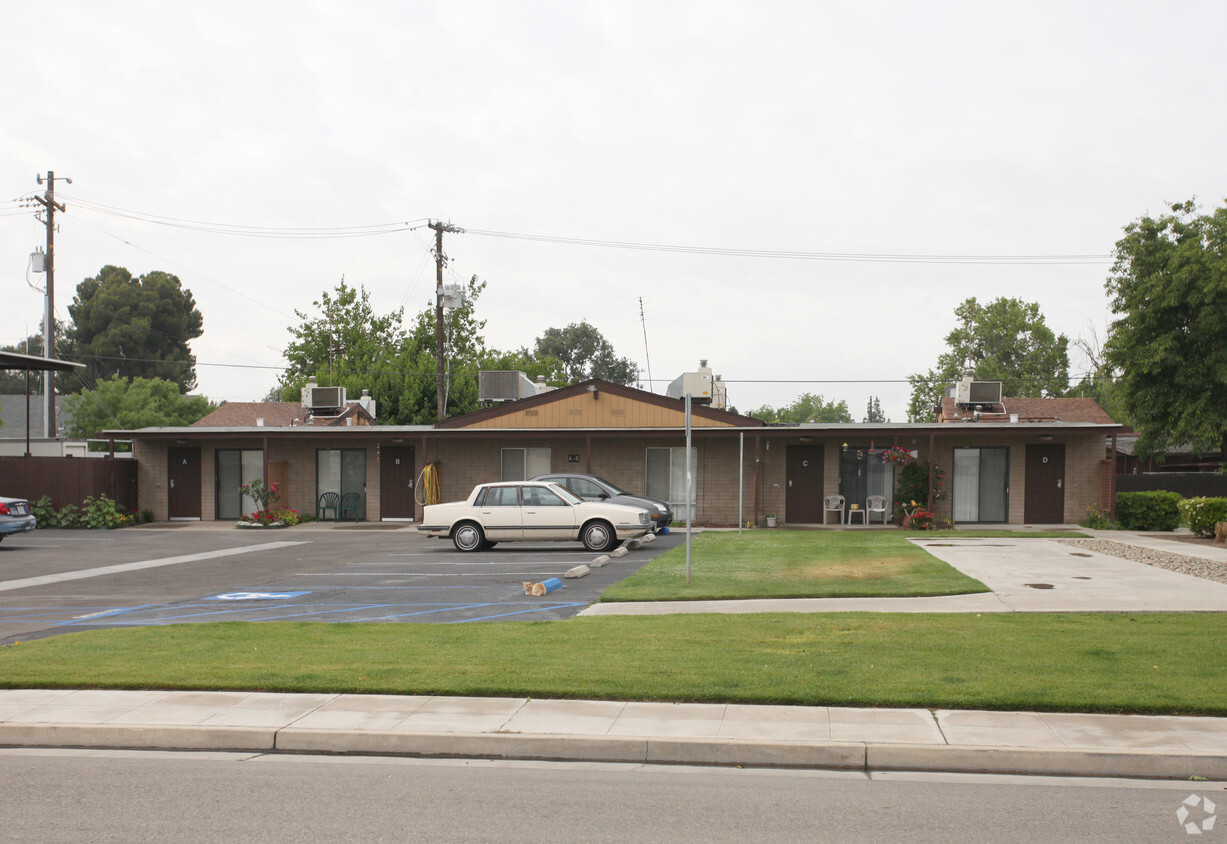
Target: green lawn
pixel 1156 662
pixel 794 564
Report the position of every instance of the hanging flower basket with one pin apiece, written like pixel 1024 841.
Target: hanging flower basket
pixel 898 454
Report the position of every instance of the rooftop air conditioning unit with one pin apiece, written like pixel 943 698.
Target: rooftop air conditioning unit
pixel 704 388
pixel 320 399
pixel 495 386
pixel 977 392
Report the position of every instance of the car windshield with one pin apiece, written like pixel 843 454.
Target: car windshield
pixel 566 494
pixel 612 487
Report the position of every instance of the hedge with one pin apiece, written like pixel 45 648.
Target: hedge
pixel 1148 510
pixel 1202 514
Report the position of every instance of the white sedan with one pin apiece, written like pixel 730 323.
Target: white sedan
pixel 532 511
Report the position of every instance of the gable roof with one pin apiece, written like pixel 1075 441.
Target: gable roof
pixel 597 404
pixel 279 414
pixel 1031 410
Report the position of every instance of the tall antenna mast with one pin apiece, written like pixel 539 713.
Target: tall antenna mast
pixel 647 356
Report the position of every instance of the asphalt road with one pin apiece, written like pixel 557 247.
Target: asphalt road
pixel 73 796
pixel 57 581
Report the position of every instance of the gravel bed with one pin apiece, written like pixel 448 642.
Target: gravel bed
pixel 1196 566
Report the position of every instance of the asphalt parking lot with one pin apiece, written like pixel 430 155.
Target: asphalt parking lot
pixel 58 581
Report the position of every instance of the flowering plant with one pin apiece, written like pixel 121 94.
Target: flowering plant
pixel 918 519
pixel 262 495
pixel 897 454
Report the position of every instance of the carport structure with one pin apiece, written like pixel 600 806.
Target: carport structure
pixel 32 363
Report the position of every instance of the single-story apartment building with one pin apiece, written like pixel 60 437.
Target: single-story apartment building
pixel 1038 461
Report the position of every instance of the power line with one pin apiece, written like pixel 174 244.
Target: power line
pixel 806 256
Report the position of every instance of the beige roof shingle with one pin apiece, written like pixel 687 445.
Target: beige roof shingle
pixel 1032 410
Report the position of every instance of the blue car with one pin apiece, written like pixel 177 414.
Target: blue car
pixel 15 516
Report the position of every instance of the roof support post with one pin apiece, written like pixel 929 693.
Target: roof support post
pixel 758 477
pixel 1112 482
pixel 932 465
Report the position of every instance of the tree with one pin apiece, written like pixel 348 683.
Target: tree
pixel 1005 340
pixel 1168 286
pixel 807 408
pixel 119 404
pixel 135 327
pixel 585 353
pixel 349 345
pixel 343 345
pixel 873 412
pixel 1100 381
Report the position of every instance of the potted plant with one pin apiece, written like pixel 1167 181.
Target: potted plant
pixel 771 521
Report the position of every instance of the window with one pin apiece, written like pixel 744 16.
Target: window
pixel 585 488
pixel 520 464
pixel 501 496
pixel 536 496
pixel 666 478
pixel 342 470
pixel 981 484
pixel 236 467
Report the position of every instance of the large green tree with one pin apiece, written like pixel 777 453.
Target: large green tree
pixel 136 327
pixel 808 407
pixel 1004 340
pixel 122 404
pixel 585 353
pixel 347 344
pixel 1168 288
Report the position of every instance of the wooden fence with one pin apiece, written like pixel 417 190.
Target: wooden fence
pixel 1188 484
pixel 69 480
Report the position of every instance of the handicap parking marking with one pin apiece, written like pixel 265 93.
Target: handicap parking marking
pixel 257 596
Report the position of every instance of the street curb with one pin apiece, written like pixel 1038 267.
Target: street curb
pixel 139 736
pixel 855 756
pixel 1065 761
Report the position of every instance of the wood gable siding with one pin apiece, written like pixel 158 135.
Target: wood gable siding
pixel 597 410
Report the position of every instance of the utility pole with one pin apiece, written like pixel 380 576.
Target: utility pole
pixel 440 262
pixel 48 202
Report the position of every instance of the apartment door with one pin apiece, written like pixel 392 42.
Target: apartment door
pixel 803 497
pixel 1044 500
pixel 396 478
pixel 183 483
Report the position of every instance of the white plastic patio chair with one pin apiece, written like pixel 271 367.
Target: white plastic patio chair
pixel 875 504
pixel 833 504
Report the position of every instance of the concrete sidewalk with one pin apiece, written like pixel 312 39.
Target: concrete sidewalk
pixel 612 731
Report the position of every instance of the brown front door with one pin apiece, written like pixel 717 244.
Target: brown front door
pixel 183 483
pixel 803 497
pixel 1044 501
pixel 396 478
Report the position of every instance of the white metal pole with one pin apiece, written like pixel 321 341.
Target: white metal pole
pixel 689 497
pixel 741 480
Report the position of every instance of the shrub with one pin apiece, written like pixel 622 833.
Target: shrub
pixel 1202 514
pixel 44 513
pixel 912 487
pixel 1097 519
pixel 290 517
pixel 1157 510
pixel 69 517
pixel 146 516
pixel 102 512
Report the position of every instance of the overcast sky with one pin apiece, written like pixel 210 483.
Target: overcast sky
pixel 871 130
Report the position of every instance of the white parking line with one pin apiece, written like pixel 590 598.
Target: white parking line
pixel 27 582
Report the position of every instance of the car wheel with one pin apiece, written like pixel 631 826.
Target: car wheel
pixel 468 537
pixel 599 536
pixel 488 545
